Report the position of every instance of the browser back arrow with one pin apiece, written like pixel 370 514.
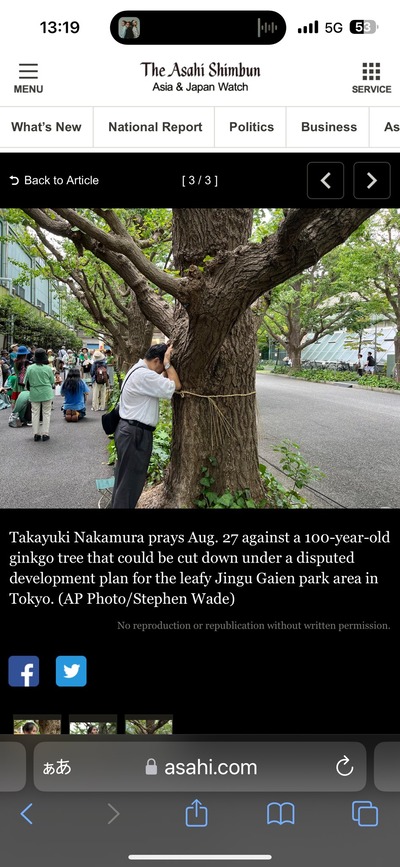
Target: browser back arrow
pixel 323 180
pixel 373 181
pixel 22 813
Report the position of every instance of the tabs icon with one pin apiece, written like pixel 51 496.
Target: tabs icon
pixel 365 814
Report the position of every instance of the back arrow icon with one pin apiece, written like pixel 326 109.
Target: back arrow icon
pixel 22 813
pixel 373 180
pixel 116 814
pixel 323 180
pixel 14 180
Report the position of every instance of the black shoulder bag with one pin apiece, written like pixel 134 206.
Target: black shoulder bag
pixel 110 419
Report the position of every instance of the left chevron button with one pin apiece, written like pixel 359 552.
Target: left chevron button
pixel 25 810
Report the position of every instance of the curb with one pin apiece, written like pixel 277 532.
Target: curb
pixel 349 384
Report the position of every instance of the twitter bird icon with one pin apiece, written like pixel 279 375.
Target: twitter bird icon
pixel 71 671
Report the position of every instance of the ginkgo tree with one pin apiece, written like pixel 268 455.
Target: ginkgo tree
pixel 217 276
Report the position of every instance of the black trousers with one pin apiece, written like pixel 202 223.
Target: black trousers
pixel 134 446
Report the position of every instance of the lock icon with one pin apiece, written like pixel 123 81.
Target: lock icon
pixel 151 767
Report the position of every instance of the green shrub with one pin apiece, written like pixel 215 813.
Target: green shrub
pixel 276 495
pixel 379 381
pixel 373 380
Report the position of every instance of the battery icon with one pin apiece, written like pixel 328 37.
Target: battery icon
pixel 363 26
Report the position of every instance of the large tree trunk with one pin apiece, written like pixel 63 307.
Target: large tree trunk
pixel 223 428
pixel 205 422
pixel 49 727
pixel 133 343
pixel 295 357
pixel 294 330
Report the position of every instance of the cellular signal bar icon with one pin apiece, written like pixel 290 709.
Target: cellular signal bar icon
pixel 309 28
pixel 264 27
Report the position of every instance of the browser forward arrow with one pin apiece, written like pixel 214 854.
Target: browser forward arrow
pixel 114 811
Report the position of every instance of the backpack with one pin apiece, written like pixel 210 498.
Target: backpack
pixel 101 375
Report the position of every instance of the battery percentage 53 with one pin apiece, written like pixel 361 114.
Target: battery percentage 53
pixel 363 26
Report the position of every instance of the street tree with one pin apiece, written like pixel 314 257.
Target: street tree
pixel 369 265
pixel 306 308
pixel 95 299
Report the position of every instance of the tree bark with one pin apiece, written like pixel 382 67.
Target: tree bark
pixel 215 417
pixel 208 424
pixel 200 232
pixel 49 727
pixel 396 372
pixel 295 357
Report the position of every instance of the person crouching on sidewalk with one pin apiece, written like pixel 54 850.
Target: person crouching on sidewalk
pixel 74 391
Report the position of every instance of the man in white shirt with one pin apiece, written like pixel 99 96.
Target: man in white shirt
pixel 142 389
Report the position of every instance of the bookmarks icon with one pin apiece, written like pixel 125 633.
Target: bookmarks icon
pixel 281 814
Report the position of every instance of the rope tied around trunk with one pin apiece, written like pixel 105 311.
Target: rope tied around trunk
pixel 219 424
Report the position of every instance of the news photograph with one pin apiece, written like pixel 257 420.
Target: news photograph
pixel 95 724
pixel 34 726
pixel 200 358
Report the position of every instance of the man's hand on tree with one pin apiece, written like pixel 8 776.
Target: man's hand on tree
pixel 167 356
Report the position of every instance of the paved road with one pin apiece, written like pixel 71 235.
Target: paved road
pixel 58 474
pixel 351 434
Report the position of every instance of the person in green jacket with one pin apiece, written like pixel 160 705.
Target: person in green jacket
pixel 21 415
pixel 39 378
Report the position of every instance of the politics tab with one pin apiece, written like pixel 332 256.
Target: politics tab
pixel 250 127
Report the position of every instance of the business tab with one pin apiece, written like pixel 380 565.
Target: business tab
pixel 327 127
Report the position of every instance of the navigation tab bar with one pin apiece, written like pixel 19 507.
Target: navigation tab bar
pixel 201 127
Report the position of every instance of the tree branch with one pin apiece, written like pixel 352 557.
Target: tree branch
pixel 120 241
pixel 152 306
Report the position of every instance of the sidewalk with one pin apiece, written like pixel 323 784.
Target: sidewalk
pixel 58 474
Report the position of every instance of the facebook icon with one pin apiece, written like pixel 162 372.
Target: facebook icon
pixel 23 670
